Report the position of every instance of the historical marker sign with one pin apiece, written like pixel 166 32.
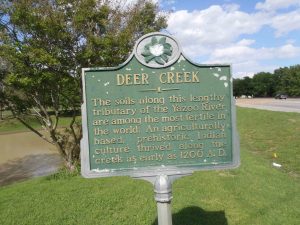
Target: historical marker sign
pixel 157 113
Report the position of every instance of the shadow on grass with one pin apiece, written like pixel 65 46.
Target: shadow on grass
pixel 196 216
pixel 28 167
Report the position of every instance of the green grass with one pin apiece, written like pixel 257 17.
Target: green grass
pixel 264 133
pixel 254 194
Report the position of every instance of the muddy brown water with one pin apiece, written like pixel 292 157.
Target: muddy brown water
pixel 25 155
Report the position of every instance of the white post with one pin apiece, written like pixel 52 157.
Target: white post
pixel 163 197
pixel 164 214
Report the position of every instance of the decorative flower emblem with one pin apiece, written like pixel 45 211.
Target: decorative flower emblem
pixel 157 50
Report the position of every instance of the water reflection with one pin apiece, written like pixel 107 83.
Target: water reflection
pixel 25 155
pixel 28 167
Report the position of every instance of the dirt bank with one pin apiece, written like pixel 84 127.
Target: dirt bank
pixel 25 155
pixel 19 145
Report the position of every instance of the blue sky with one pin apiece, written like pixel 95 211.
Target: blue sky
pixel 252 36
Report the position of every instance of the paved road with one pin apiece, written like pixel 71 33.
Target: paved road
pixel 288 105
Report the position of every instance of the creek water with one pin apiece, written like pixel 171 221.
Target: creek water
pixel 25 155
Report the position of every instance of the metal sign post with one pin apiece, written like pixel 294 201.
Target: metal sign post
pixel 163 197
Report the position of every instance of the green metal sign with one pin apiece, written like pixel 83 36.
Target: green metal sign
pixel 157 113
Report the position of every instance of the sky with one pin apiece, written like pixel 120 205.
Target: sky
pixel 253 36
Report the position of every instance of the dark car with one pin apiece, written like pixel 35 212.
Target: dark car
pixel 280 96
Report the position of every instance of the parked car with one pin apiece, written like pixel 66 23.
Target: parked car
pixel 280 96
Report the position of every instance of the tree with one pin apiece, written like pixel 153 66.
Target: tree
pixel 264 84
pixel 237 87
pixel 243 87
pixel 3 69
pixel 283 81
pixel 45 43
pixel 288 80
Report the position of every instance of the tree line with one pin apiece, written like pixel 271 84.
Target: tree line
pixel 283 81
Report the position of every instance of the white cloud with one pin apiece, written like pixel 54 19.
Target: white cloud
pixel 249 68
pixel 246 42
pixel 212 27
pixel 272 5
pixel 247 60
pixel 242 52
pixel 215 33
pixel 169 2
pixel 288 51
pixel 231 7
pixel 285 23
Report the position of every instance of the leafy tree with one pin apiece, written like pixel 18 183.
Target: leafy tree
pixel 242 87
pixel 263 84
pixel 237 87
pixel 3 69
pixel 283 81
pixel 45 43
pixel 288 80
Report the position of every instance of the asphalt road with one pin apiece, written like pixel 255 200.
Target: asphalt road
pixel 288 105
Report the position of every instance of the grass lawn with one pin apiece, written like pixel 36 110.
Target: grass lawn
pixel 254 194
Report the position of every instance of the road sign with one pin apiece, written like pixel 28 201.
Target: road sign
pixel 158 113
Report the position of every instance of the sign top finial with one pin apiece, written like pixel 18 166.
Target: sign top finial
pixel 157 50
